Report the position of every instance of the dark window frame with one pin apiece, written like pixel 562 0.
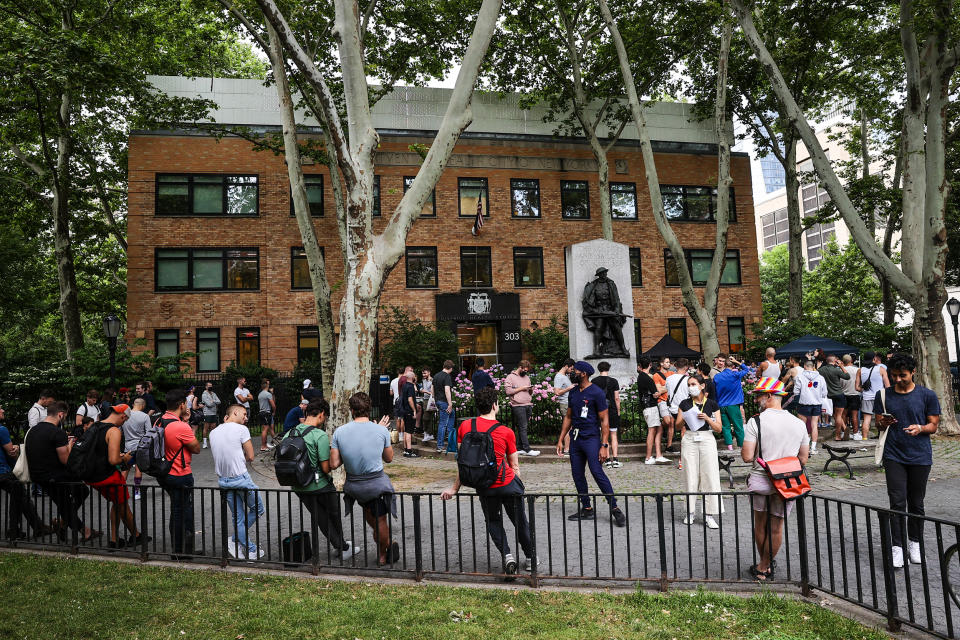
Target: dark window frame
pixel 489 267
pixel 516 274
pixel 323 196
pixel 156 340
pixel 375 210
pixel 190 260
pixel 198 339
pixel 635 251
pixel 300 330
pixel 236 358
pixel 436 267
pixel 406 187
pixel 473 212
pixel 667 255
pixel 514 189
pixel 713 199
pixel 683 326
pixel 293 258
pixel 188 180
pixel 743 328
pixel 636 202
pixel 563 206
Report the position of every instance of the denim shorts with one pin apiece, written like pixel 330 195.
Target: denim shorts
pixel 810 410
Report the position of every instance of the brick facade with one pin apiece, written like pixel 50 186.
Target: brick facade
pixel 278 310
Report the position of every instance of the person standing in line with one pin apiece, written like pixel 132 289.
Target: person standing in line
pixel 810 390
pixel 704 370
pixel 729 398
pixel 907 452
pixel 772 435
pixel 648 393
pixel 442 387
pixel 362 446
pixel 719 362
pixel 134 428
pixel 90 408
pixel 38 412
pixel 789 378
pixel 179 445
pixel 835 376
pixel 211 410
pixel 395 392
pixel 143 390
pixel 699 419
pixel 107 400
pixel 481 378
pixel 20 505
pixel 242 395
pixel 295 416
pixel 309 392
pixel 677 393
pixel 611 389
pixel 506 492
pixel 664 371
pixel 424 397
pixel 769 368
pixel 406 419
pixel 319 495
pixel 561 391
pixel 587 417
pixel 871 378
pixel 521 404
pixel 268 408
pixel 851 398
pixel 232 449
pixel 193 405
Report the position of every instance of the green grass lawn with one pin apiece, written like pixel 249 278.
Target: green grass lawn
pixel 44 597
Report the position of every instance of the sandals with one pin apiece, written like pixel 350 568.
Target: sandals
pixel 393 554
pixel 761 576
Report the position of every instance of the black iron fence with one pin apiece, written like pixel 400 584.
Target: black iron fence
pixel 834 546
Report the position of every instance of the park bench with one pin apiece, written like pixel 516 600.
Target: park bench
pixel 844 451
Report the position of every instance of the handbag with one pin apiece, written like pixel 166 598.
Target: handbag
pixel 20 470
pixel 787 475
pixel 394 436
pixel 878 452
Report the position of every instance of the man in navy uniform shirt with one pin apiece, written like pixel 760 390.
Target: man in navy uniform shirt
pixel 481 378
pixel 589 442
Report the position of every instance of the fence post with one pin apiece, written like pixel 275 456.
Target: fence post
pixel 662 533
pixel 223 528
pixel 417 542
pixel 143 520
pixel 889 580
pixel 534 569
pixel 804 552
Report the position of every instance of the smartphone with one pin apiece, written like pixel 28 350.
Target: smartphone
pixel 890 417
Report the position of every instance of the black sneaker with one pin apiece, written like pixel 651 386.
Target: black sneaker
pixel 413 454
pixel 582 514
pixel 618 518
pixel 407 453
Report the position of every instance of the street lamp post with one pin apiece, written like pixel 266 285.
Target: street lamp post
pixel 111 329
pixel 953 308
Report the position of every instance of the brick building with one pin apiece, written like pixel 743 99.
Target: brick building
pixel 215 263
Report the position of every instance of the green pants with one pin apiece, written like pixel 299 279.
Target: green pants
pixel 731 417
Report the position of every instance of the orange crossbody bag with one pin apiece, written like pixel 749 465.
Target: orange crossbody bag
pixel 787 475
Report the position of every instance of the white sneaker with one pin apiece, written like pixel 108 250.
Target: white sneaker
pixel 427 437
pixel 350 551
pixel 897 557
pixel 711 523
pixel 533 452
pixel 136 494
pixel 660 459
pixel 234 550
pixel 204 443
pixel 914 548
pixel 270 445
pixel 256 553
pixel 856 436
pixel 813 451
pixel 650 461
pixel 509 564
pixel 688 520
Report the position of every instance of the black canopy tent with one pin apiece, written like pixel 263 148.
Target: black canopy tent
pixel 809 343
pixel 670 348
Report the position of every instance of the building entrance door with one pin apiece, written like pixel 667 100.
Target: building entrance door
pixel 474 341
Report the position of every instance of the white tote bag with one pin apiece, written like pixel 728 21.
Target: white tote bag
pixel 21 470
pixel 878 453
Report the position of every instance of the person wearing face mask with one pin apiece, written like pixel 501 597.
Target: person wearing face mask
pixel 699 419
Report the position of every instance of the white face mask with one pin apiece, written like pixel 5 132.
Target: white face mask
pixel 694 389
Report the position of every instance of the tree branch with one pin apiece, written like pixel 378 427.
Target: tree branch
pixel 251 29
pixel 366 19
pixel 30 164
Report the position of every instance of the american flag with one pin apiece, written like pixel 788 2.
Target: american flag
pixel 478 222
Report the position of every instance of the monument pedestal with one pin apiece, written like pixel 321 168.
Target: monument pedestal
pixel 583 260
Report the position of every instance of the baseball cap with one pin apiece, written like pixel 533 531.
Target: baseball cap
pixel 586 367
pixel 770 385
pixel 121 408
pixel 306 383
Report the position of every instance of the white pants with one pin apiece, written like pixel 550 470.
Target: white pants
pixel 702 469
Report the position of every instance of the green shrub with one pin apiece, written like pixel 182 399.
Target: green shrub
pixel 547 345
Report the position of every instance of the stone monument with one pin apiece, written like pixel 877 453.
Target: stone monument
pixel 600 307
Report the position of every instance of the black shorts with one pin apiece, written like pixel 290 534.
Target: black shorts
pixel 853 402
pixel 266 417
pixel 210 419
pixel 406 423
pixel 378 506
pixel 839 402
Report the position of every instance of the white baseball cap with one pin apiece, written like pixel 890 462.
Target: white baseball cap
pixel 306 383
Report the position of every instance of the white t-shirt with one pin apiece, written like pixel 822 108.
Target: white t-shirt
pixel 242 393
pixel 783 435
pixel 677 391
pixel 89 411
pixel 36 415
pixel 190 399
pixel 394 388
pixel 874 372
pixel 226 445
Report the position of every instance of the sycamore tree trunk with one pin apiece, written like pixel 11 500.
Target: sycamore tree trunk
pixel 603 183
pixel 794 231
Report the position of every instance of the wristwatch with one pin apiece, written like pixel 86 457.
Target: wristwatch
pixel 605 445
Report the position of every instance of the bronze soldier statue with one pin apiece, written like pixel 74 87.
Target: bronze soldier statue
pixel 603 315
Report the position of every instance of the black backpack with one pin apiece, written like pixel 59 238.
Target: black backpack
pixel 293 466
pixel 151 450
pixel 477 459
pixel 83 462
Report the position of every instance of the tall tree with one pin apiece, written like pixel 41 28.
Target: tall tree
pixel 929 41
pixel 704 313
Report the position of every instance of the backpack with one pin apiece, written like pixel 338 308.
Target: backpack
pixel 477 459
pixel 293 466
pixel 867 384
pixel 83 462
pixel 151 455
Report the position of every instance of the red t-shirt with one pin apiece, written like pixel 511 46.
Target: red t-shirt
pixel 504 443
pixel 176 435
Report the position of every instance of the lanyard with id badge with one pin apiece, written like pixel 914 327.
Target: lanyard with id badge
pixel 698 434
pixel 584 412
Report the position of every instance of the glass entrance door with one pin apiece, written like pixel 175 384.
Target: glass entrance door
pixel 475 340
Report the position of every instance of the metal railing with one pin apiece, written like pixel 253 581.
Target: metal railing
pixel 829 545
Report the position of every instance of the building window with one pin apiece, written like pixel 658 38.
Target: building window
pixel 683 203
pixel 698 262
pixel 528 266
pixel 776 229
pixel 376 197
pixel 421 267
pixel 476 269
pixel 308 345
pixel 207 195
pixel 637 335
pixel 575 199
pixel 623 200
pixel 207 269
pixel 166 343
pixel 525 198
pixel 248 346
pixel 736 334
pixel 677 328
pixel 300 269
pixel 472 191
pixel 430 206
pixel 314 186
pixel 636 273
pixel 208 349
